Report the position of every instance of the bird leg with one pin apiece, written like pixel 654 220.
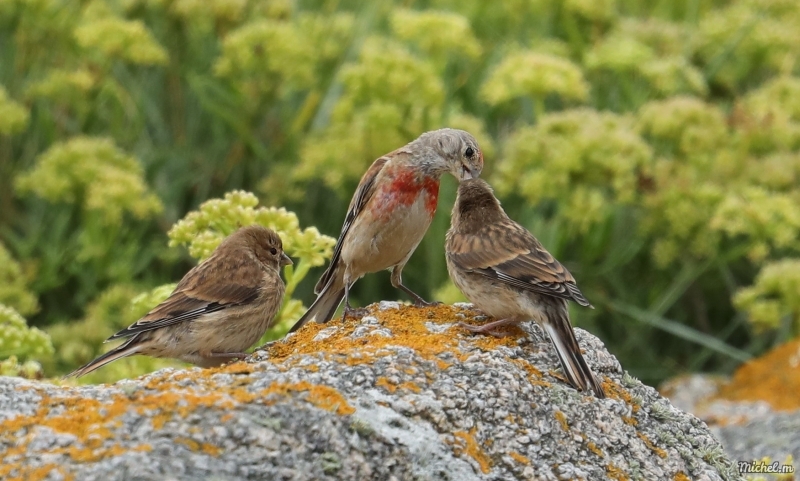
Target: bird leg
pixel 397 281
pixel 226 355
pixel 491 327
pixel 350 311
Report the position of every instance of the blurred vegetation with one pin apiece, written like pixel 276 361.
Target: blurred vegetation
pixel 653 147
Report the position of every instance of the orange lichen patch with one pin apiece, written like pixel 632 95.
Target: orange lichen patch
pixel 591 446
pixel 681 476
pixel 562 420
pixel 660 452
pixel 407 385
pixel 487 342
pixel 519 458
pixel 773 377
pixel 197 447
pixel 41 473
pixel 535 376
pixel 384 382
pixel 615 391
pixel 408 327
pixel 615 473
pixel 323 397
pixel 630 420
pixel 471 448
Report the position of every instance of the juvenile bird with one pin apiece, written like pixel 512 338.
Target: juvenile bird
pixel 389 214
pixel 507 273
pixel 220 307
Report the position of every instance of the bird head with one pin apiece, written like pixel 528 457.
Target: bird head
pixel 476 204
pixel 456 151
pixel 265 243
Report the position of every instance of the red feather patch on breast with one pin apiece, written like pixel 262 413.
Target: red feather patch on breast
pixel 406 187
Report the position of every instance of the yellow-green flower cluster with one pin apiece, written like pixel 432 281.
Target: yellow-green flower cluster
pixel 65 86
pixel 267 57
pixel 584 159
pixel 533 74
pixel 94 173
pixel 765 221
pixel 203 230
pixel 774 297
pixel 439 34
pixel 17 339
pixel 652 49
pixel 375 113
pixel 13 291
pixel 13 116
pixel 599 11
pixel 768 118
pixel 756 37
pixel 112 38
pixel 683 125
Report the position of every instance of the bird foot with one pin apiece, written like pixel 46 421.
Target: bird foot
pixel 354 312
pixel 485 329
pixel 265 346
pixel 423 303
pixel 227 355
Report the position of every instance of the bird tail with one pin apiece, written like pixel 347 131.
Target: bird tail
pixel 578 373
pixel 324 307
pixel 129 348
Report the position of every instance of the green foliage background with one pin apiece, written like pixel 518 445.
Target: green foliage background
pixel 653 147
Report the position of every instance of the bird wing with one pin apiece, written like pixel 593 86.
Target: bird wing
pixel 364 192
pixel 510 254
pixel 209 287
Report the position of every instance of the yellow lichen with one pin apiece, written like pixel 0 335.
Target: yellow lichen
pixel 591 446
pixel 323 397
pixel 681 476
pixel 615 391
pixel 407 385
pixel 773 378
pixel 660 452
pixel 470 447
pixel 519 458
pixel 562 420
pixel 198 447
pixel 408 329
pixel 615 473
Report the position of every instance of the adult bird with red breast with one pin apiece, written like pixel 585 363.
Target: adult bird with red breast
pixel 389 214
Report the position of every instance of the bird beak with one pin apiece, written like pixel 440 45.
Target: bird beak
pixel 467 173
pixel 285 260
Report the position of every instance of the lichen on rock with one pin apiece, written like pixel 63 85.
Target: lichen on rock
pixel 402 392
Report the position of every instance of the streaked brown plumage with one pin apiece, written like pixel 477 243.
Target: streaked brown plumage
pixel 507 273
pixel 389 214
pixel 219 309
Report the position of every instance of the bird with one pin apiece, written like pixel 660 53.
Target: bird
pixel 220 307
pixel 509 275
pixel 390 211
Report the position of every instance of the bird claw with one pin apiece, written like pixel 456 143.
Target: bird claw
pixel 354 312
pixel 423 303
pixel 265 346
pixel 484 330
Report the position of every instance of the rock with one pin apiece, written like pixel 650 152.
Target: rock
pixel 748 430
pixel 421 400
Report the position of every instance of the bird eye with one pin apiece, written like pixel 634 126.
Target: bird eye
pixel 469 152
pixel 273 251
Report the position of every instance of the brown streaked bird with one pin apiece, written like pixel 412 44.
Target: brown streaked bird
pixel 389 214
pixel 507 273
pixel 219 309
